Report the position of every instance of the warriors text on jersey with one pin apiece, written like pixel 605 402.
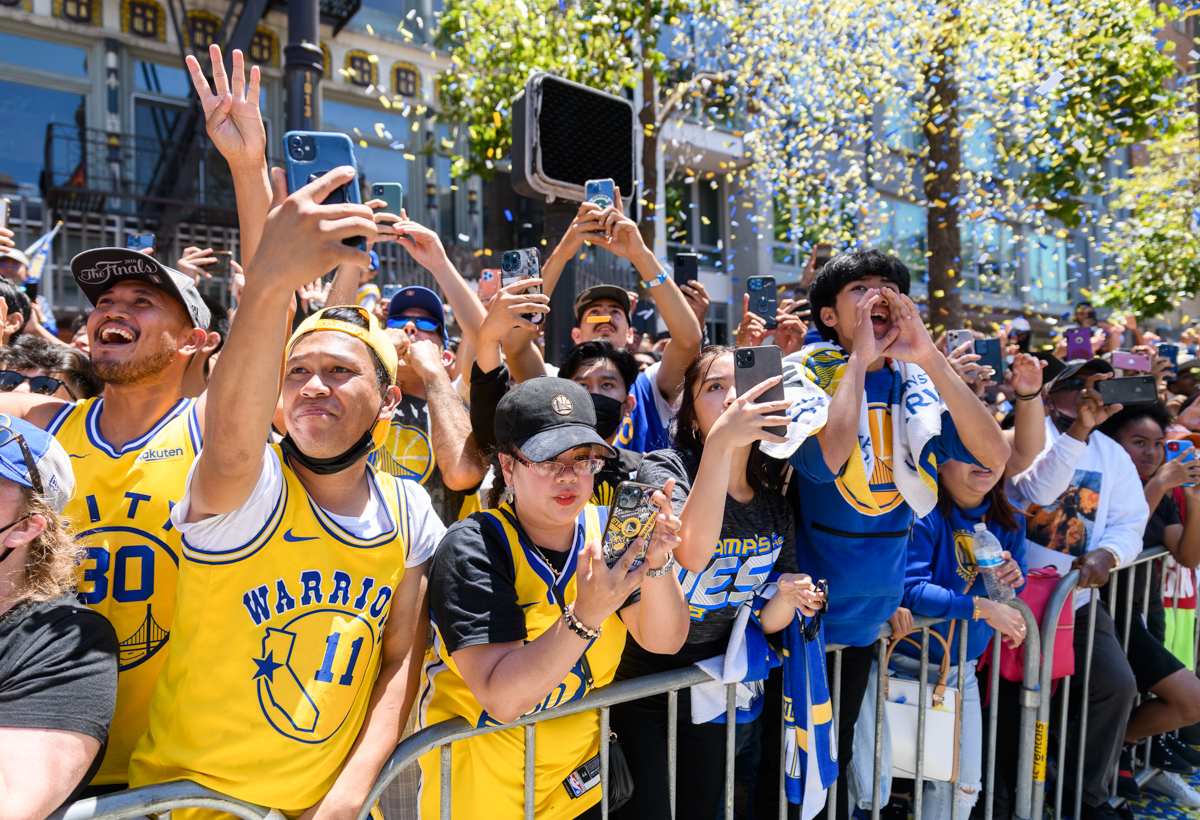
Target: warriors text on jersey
pixel 122 511
pixel 277 646
pixel 488 770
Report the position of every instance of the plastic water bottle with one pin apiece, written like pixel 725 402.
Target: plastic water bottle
pixel 989 560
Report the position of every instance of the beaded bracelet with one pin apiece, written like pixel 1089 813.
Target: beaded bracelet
pixel 577 626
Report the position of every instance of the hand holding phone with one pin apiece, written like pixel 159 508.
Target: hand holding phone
pixel 991 355
pixel 489 283
pixel 954 338
pixel 752 367
pixel 764 301
pixel 632 515
pixel 822 253
pixel 1170 352
pixel 1128 390
pixel 518 265
pixel 601 192
pixel 224 263
pixel 392 195
pixel 313 154
pixel 687 268
pixel 140 242
pixel 1181 450
pixel 1079 343
pixel 1122 360
pixel 4 206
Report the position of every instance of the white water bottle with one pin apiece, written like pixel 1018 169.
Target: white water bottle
pixel 989 560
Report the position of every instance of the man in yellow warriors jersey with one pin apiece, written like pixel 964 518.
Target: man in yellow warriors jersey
pixel 132 449
pixel 300 598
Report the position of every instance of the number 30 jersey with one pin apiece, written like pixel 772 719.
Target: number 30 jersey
pixel 121 511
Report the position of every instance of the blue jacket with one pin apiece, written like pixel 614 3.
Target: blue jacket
pixel 941 578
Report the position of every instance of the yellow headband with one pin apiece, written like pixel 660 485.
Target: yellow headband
pixel 373 336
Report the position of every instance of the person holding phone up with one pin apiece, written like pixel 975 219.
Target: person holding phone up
pixel 529 616
pixel 735 524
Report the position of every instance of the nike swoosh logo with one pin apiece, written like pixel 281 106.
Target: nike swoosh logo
pixel 287 536
pixel 85 455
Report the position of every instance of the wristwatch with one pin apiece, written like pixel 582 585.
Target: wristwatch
pixel 664 569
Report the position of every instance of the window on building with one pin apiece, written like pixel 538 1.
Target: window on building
pixel 406 80
pixel 1048 278
pixel 989 257
pixel 24 4
pixel 693 219
pixel 900 129
pixel 979 153
pixel 26 112
pixel 361 68
pixel 39 54
pixel 202 29
pixel 264 47
pixel 449 190
pixel 902 230
pixel 81 11
pixel 143 18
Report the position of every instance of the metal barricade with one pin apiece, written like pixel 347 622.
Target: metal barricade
pixel 134 803
pixel 1122 616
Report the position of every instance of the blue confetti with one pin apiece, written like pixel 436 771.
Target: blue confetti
pixel 508 215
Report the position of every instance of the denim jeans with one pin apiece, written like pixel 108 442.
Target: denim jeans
pixel 936 803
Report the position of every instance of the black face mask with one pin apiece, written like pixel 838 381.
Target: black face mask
pixel 609 413
pixel 1062 421
pixel 326 466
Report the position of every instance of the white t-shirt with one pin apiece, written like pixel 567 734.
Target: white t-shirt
pixel 231 530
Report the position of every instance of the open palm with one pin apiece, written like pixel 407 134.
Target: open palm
pixel 231 114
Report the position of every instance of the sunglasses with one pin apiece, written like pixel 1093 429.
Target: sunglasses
pixel 422 323
pixel 7 435
pixel 42 385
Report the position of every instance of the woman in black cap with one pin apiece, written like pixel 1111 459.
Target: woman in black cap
pixel 529 616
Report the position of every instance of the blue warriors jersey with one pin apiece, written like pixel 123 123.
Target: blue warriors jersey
pixel 122 511
pixel 276 649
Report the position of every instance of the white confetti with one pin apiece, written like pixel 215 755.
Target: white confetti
pixel 1051 83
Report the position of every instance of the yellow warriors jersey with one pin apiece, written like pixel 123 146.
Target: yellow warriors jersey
pixel 122 511
pixel 488 771
pixel 369 290
pixel 276 648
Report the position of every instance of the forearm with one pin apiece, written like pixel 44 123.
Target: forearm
pixel 454 447
pixel 567 247
pixel 1187 553
pixel 663 617
pixel 1049 475
pixel 840 434
pixel 704 510
pixel 344 290
pixel 525 362
pixel 468 310
pixel 976 427
pixel 1154 491
pixel 529 672
pixel 776 615
pixel 1029 435
pixel 252 190
pixel 681 322
pixel 929 599
pixel 486 391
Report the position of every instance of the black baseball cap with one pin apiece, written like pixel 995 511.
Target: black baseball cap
pixel 618 295
pixel 547 416
pixel 1068 373
pixel 97 270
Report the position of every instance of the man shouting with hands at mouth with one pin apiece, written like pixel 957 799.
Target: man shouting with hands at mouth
pixel 894 409
pixel 294 555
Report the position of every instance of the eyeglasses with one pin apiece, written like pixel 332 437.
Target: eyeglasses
pixel 553 469
pixel 7 434
pixel 42 385
pixel 422 323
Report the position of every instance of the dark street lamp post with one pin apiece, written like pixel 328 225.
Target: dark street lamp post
pixel 304 67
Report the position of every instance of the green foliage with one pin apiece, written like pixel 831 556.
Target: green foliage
pixel 1157 249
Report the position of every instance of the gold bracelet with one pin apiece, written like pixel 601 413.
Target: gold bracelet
pixel 978 612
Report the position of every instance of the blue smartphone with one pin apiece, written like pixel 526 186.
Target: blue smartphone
pixel 311 155
pixel 1181 449
pixel 1170 352
pixel 603 192
pixel 139 242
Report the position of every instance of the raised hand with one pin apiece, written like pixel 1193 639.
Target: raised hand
pixel 698 299
pixel 422 244
pixel 194 261
pixel 1026 374
pixel 965 363
pixel 913 343
pixel 752 330
pixel 664 540
pixel 865 343
pixel 231 114
pixel 743 421
pixel 6 238
pixel 507 308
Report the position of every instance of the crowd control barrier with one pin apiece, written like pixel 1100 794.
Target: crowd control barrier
pixel 134 803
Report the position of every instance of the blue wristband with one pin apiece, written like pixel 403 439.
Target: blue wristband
pixel 657 280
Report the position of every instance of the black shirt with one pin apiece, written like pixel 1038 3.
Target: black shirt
pixel 58 669
pixel 1163 516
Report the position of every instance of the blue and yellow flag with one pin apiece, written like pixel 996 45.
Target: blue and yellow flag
pixel 39 255
pixel 808 716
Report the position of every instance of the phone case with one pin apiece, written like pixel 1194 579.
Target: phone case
pixel 1170 353
pixel 1079 344
pixel 518 265
pixel 4 205
pixel 954 338
pixel 1181 449
pixel 602 192
pixel 312 154
pixel 752 367
pixel 489 282
pixel 1129 390
pixel 139 241
pixel 222 265
pixel 390 192
pixel 687 268
pixel 991 356
pixel 1130 361
pixel 764 301
pixel 632 515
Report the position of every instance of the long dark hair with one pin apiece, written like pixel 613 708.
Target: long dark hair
pixel 763 473
pixel 1002 511
pixel 496 493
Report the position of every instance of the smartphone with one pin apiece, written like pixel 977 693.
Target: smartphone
pixel 1170 352
pixel 139 242
pixel 518 265
pixel 764 301
pixel 954 338
pixel 631 516
pixel 489 282
pixel 311 155
pixel 223 263
pixel 990 355
pixel 800 308
pixel 687 268
pixel 824 252
pixel 4 206
pixel 1079 344
pixel 602 192
pixel 1181 449
pixel 1130 361
pixel 389 291
pixel 752 367
pixel 392 193
pixel 1129 390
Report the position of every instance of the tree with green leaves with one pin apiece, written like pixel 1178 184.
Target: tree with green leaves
pixel 1157 249
pixel 1006 111
pixel 611 45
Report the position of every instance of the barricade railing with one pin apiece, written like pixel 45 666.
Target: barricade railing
pixel 134 803
pixel 1063 593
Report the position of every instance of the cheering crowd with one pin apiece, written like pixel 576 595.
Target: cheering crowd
pixel 254 550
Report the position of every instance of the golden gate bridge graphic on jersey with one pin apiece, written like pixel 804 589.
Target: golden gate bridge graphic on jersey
pixel 142 645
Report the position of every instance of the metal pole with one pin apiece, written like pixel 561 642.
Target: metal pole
pixel 531 768
pixel 605 717
pixel 880 698
pixel 832 798
pixel 730 744
pixel 918 798
pixel 993 714
pixel 672 744
pixel 1033 736
pixel 304 67
pixel 1083 717
pixel 962 692
pixel 446 781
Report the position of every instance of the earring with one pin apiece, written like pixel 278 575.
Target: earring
pixel 508 494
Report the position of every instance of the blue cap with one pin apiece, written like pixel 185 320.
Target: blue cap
pixel 415 296
pixel 53 464
pixel 374 260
